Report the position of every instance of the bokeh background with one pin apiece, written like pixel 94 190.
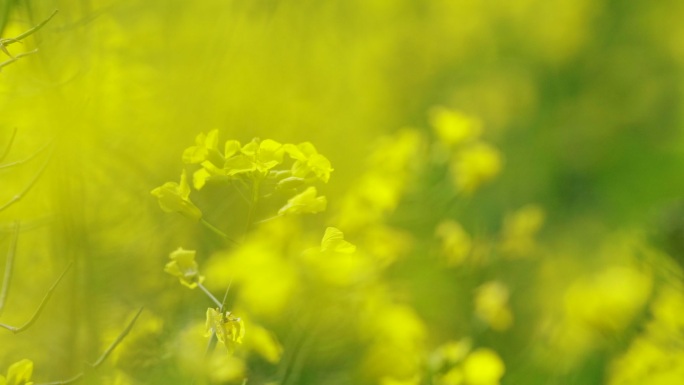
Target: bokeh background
pixel 544 246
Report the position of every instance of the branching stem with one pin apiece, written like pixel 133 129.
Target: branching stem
pixel 26 189
pixel 104 355
pixel 36 314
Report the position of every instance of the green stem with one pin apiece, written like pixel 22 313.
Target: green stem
pixel 218 232
pixel 211 296
pixel 252 206
pixel 34 317
pixel 9 145
pixel 9 266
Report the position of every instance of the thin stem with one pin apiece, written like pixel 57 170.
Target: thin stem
pixel 211 345
pixel 29 32
pixel 218 232
pixel 65 382
pixel 26 189
pixel 9 144
pixel 26 160
pixel 208 293
pixel 268 219
pixel 225 296
pixel 39 310
pixel 117 341
pixel 17 57
pixel 104 355
pixel 9 266
pixel 239 190
pixel 252 206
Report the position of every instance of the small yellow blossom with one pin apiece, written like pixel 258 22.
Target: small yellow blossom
pixel 205 148
pixel 175 198
pixel 607 301
pixel 184 267
pixel 333 240
pixel 18 373
pixel 308 161
pixel 257 155
pixel 227 328
pixel 264 343
pixel 456 242
pixel 454 127
pixel 474 165
pixel 491 305
pixel 520 229
pixel 305 203
pixel 483 367
pixel 450 353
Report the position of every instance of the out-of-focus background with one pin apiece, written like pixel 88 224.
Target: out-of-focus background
pixel 510 173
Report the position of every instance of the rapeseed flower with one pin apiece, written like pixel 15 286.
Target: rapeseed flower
pixel 18 373
pixel 184 267
pixel 175 197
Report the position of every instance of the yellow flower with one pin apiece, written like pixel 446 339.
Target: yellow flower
pixel 205 148
pixel 483 367
pixel 519 231
pixel 257 155
pixel 184 267
pixel 19 373
pixel 456 242
pixel 474 165
pixel 308 160
pixel 175 198
pixel 491 305
pixel 333 240
pixel 453 127
pixel 228 328
pixel 305 203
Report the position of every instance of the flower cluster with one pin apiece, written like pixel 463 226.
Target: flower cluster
pixel 257 160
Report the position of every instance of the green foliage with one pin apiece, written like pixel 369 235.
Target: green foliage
pixel 504 206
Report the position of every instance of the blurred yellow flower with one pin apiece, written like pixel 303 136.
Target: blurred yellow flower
pixel 519 231
pixel 607 301
pixel 192 358
pixel 184 267
pixel 454 127
pixel 336 262
pixel 333 240
pixel 18 373
pixel 175 198
pixel 264 343
pixel 483 367
pixel 453 376
pixel 305 203
pixel 450 353
pixel 221 368
pixel 656 356
pixel 456 242
pixel 474 165
pixel 491 305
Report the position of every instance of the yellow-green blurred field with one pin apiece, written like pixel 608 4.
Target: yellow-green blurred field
pixel 444 192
